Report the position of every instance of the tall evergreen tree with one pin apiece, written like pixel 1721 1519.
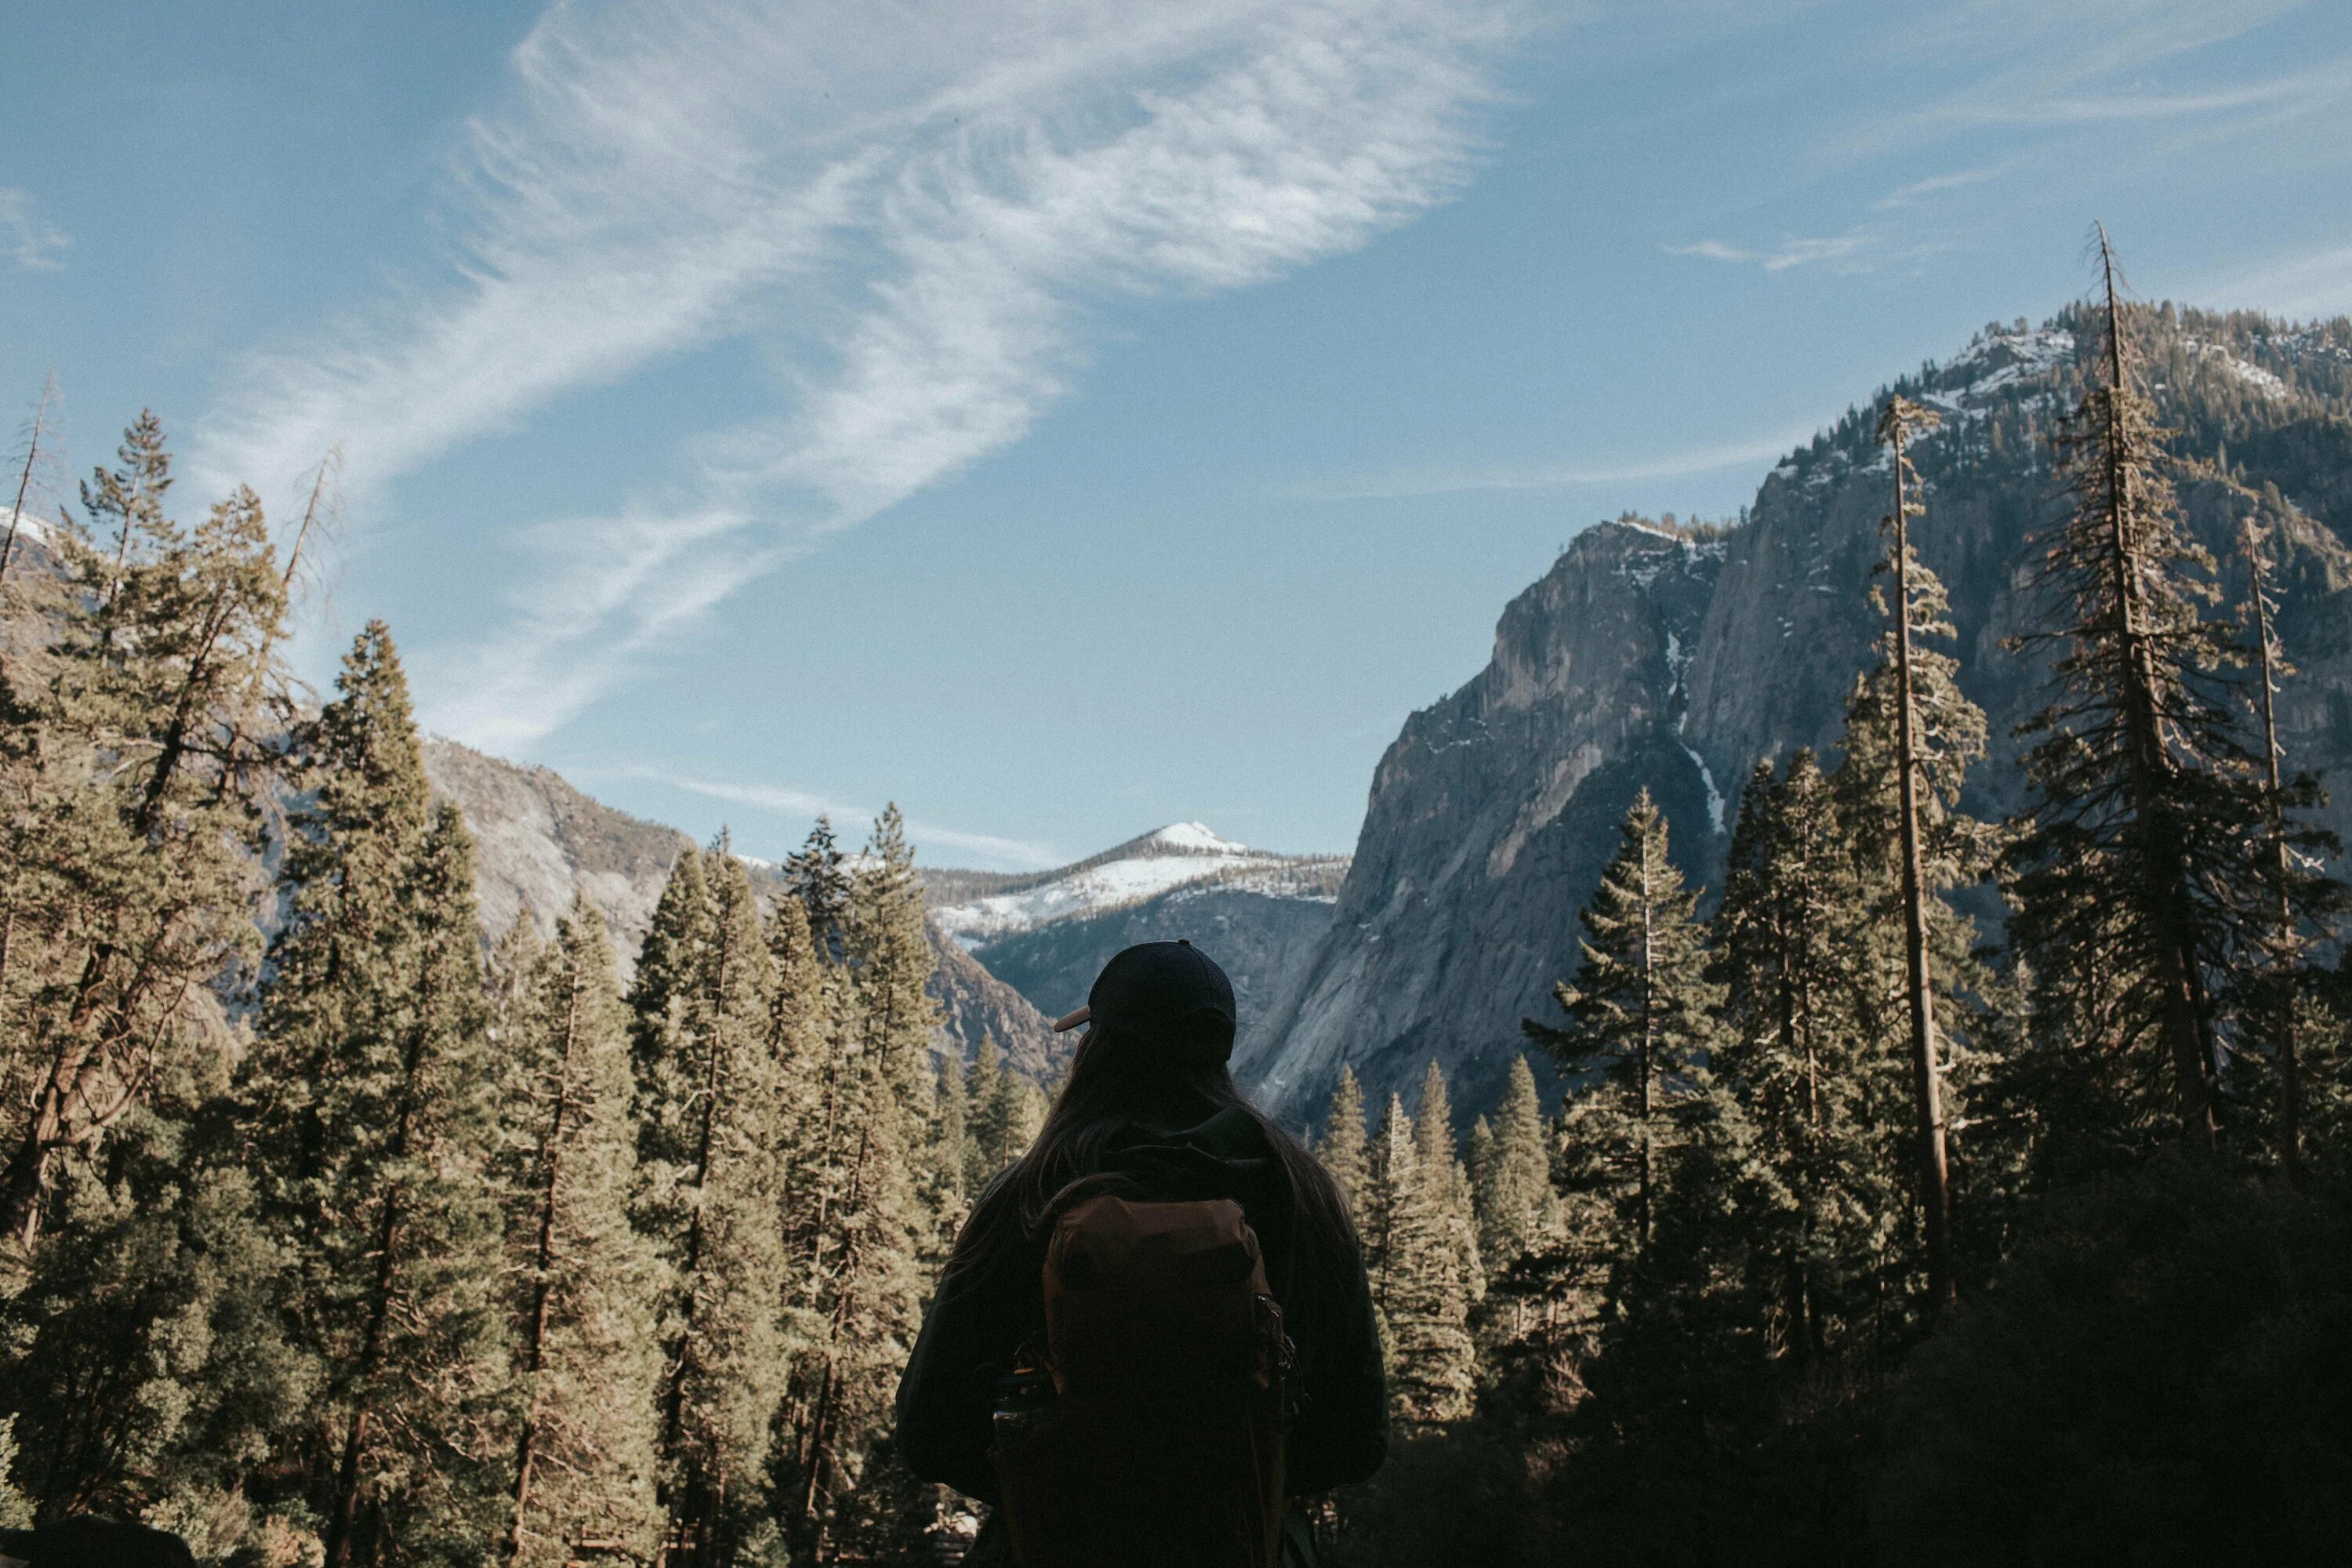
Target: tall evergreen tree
pixel 817 874
pixel 130 851
pixel 2302 894
pixel 2137 876
pixel 708 1183
pixel 1421 1279
pixel 988 1114
pixel 1639 1012
pixel 866 1294
pixel 371 1098
pixel 1900 419
pixel 1517 1209
pixel 583 1280
pixel 1342 1148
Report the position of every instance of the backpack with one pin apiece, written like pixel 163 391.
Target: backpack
pixel 1148 1430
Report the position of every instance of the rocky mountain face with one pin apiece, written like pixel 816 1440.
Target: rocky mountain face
pixel 538 840
pixel 1261 915
pixel 1677 657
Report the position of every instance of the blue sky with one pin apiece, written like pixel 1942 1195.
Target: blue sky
pixel 1066 417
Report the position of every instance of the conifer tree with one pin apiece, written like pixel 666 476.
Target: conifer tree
pixel 1639 1012
pixel 511 976
pixel 130 855
pixel 583 1280
pixel 802 1026
pixel 148 1367
pixel 866 1294
pixel 1421 1278
pixel 817 874
pixel 2137 876
pixel 370 1100
pixel 1900 419
pixel 1449 1185
pixel 988 1114
pixel 1341 1149
pixel 1517 1209
pixel 2302 894
pixel 1383 1221
pixel 41 428
pixel 709 1180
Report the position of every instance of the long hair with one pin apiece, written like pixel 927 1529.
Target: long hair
pixel 1116 1084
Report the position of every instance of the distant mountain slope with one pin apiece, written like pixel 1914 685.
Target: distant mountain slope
pixel 1657 657
pixel 1260 914
pixel 537 839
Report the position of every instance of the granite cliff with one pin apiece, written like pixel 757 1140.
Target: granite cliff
pixel 1677 657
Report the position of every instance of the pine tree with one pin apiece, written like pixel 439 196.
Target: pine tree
pixel 511 976
pixel 1638 1011
pixel 947 1156
pixel 2137 876
pixel 1444 1279
pixel 1422 1266
pixel 1517 1209
pixel 129 854
pixel 1341 1149
pixel 149 1368
pixel 2302 894
pixel 1384 1219
pixel 989 1114
pixel 1900 419
pixel 583 1280
pixel 817 874
pixel 709 1181
pixel 41 428
pixel 373 1096
pixel 866 1296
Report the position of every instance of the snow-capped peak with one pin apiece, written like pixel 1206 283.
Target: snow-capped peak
pixel 1196 839
pixel 1181 855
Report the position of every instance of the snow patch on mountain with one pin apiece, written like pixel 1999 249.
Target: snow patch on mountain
pixel 1181 855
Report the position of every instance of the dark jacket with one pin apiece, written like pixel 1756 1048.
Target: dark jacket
pixel 983 1314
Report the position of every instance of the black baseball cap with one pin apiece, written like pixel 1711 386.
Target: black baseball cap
pixel 1170 992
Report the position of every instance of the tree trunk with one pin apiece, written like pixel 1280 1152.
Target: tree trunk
pixel 1935 1172
pixel 2164 881
pixel 535 1357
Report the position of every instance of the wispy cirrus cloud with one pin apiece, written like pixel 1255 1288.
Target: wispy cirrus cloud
pixel 1672 465
pixel 1009 854
pixel 28 240
pixel 1851 251
pixel 920 213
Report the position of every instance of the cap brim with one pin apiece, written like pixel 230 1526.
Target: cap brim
pixel 1063 1026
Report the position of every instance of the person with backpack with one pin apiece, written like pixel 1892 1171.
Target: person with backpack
pixel 1155 1328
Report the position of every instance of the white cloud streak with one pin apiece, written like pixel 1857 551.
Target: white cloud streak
pixel 919 210
pixel 1662 466
pixel 28 240
pixel 1011 854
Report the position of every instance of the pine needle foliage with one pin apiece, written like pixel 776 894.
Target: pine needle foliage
pixel 708 1183
pixel 131 850
pixel 373 1092
pixel 581 1280
pixel 1640 1013
pixel 2137 874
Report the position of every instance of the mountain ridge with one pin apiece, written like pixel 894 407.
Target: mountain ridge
pixel 1676 658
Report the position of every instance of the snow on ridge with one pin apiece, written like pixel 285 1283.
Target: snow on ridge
pixel 1198 838
pixel 2253 375
pixel 1180 853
